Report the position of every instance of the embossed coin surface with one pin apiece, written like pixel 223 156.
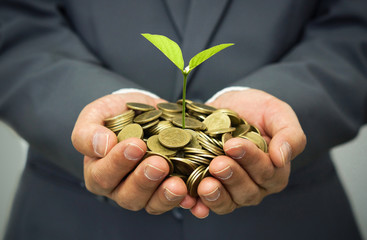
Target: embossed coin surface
pixel 217 120
pixel 148 116
pixel 139 106
pixel 130 131
pixel 155 146
pixel 174 137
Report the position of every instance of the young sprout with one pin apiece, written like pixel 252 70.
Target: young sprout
pixel 173 52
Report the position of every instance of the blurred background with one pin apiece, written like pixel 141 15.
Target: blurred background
pixel 350 160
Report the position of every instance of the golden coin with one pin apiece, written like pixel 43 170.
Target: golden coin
pixel 254 129
pixel 217 120
pixel 139 106
pixel 169 162
pixel 148 116
pixel 130 131
pixel 241 130
pixel 156 129
pixel 170 107
pixel 150 124
pixel 257 139
pixel 216 132
pixel 181 100
pixel 155 146
pixel 235 119
pixel 226 137
pixel 201 108
pixel 198 159
pixel 174 137
pixel 194 143
pixel 194 180
pixel 126 115
pixel 183 166
pixel 190 123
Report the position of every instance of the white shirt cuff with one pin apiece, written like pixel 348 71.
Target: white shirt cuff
pixel 131 90
pixel 225 90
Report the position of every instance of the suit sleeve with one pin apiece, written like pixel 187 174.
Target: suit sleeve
pixel 47 76
pixel 324 76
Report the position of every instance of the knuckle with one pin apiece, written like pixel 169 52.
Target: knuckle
pixel 252 198
pixel 98 179
pixel 152 211
pixel 129 205
pixel 266 175
pixel 281 185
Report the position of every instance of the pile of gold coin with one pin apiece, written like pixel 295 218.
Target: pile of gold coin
pixel 188 151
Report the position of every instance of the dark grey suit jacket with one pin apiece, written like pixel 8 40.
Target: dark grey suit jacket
pixel 57 56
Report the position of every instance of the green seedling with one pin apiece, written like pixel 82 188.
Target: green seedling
pixel 173 52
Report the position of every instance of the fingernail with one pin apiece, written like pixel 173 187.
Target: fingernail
pixel 236 152
pixel 286 153
pixel 153 173
pixel 204 216
pixel 225 173
pixel 100 143
pixel 212 196
pixel 133 152
pixel 171 196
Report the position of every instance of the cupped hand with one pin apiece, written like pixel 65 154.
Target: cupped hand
pixel 246 174
pixel 116 170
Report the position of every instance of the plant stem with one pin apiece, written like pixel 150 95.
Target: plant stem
pixel 184 99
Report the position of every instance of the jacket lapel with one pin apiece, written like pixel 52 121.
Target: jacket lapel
pixel 203 18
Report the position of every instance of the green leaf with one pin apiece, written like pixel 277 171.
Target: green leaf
pixel 205 55
pixel 167 47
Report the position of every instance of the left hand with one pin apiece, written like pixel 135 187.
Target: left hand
pixel 246 174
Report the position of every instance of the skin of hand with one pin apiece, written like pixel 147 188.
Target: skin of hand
pixel 245 175
pixel 116 170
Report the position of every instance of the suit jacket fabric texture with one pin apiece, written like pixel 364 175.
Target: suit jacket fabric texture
pixel 57 56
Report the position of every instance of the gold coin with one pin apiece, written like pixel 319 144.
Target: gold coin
pixel 169 162
pixel 112 120
pixel 148 116
pixel 205 174
pixel 254 129
pixel 194 180
pixel 216 132
pixel 174 137
pixel 257 139
pixel 217 120
pixel 241 130
pixel 198 159
pixel 183 166
pixel 130 131
pixel 201 108
pixel 150 124
pixel 181 100
pixel 155 146
pixel 194 143
pixel 140 106
pixel 170 107
pixel 226 137
pixel 235 119
pixel 190 123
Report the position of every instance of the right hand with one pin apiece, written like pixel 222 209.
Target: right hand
pixel 115 170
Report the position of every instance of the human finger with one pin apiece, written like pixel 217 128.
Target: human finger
pixel 287 137
pixel 103 175
pixel 136 190
pixel 240 186
pixel 215 196
pixel 255 162
pixel 200 210
pixel 168 195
